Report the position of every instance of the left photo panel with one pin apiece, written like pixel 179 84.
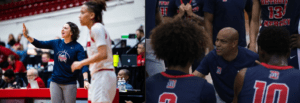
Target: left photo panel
pixel 72 51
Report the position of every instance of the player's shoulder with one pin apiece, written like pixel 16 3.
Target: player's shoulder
pixel 96 27
pixel 154 78
pixel 197 79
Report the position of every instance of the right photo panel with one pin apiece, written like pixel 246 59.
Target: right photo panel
pixel 222 51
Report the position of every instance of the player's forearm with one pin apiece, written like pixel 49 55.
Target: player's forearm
pixel 254 27
pixel 253 32
pixel 254 21
pixel 199 20
pixel 179 15
pixel 208 29
pixel 85 75
pixel 198 74
pixel 96 58
pixel 158 17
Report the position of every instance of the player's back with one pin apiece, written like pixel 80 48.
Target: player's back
pixel 280 13
pixel 271 84
pixel 176 87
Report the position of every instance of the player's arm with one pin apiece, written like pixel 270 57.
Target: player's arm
pixel 254 24
pixel 195 17
pixel 158 17
pixel 238 84
pixel 101 55
pixel 208 24
pixel 99 35
pixel 181 12
pixel 198 74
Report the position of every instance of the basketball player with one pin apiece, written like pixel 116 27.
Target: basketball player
pixel 273 81
pixel 224 63
pixel 178 43
pixel 285 13
pixel 226 13
pixel 100 61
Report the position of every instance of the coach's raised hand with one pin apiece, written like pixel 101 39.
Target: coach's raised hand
pixel 25 34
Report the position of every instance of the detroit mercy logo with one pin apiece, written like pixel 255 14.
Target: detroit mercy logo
pixel 274 74
pixel 171 84
pixel 219 70
pixel 63 56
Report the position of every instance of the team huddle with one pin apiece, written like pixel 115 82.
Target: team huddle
pixel 263 72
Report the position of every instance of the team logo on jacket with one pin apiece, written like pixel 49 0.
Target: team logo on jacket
pixel 63 56
pixel 219 70
pixel 88 44
pixel 172 83
pixel 274 75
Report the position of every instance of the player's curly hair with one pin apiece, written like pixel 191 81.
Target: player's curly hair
pixel 274 40
pixel 96 6
pixel 178 42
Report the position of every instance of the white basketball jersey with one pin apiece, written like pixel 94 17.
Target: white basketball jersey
pixel 99 37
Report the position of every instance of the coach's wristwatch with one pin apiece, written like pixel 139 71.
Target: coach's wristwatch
pixel 85 79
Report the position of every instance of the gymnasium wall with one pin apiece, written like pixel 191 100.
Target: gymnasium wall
pixel 121 17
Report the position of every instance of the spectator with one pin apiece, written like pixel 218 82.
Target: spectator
pixel 226 13
pixel 2 43
pixel 22 40
pixel 141 54
pixel 4 53
pixel 46 74
pixel 18 48
pixel 2 82
pixel 124 73
pixel 11 41
pixel 140 34
pixel 15 65
pixel 32 76
pixel 11 81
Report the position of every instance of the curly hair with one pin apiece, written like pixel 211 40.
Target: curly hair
pixel 75 31
pixel 178 42
pixel 274 40
pixel 97 6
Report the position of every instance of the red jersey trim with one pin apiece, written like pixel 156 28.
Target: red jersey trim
pixel 182 2
pixel 276 67
pixel 177 76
